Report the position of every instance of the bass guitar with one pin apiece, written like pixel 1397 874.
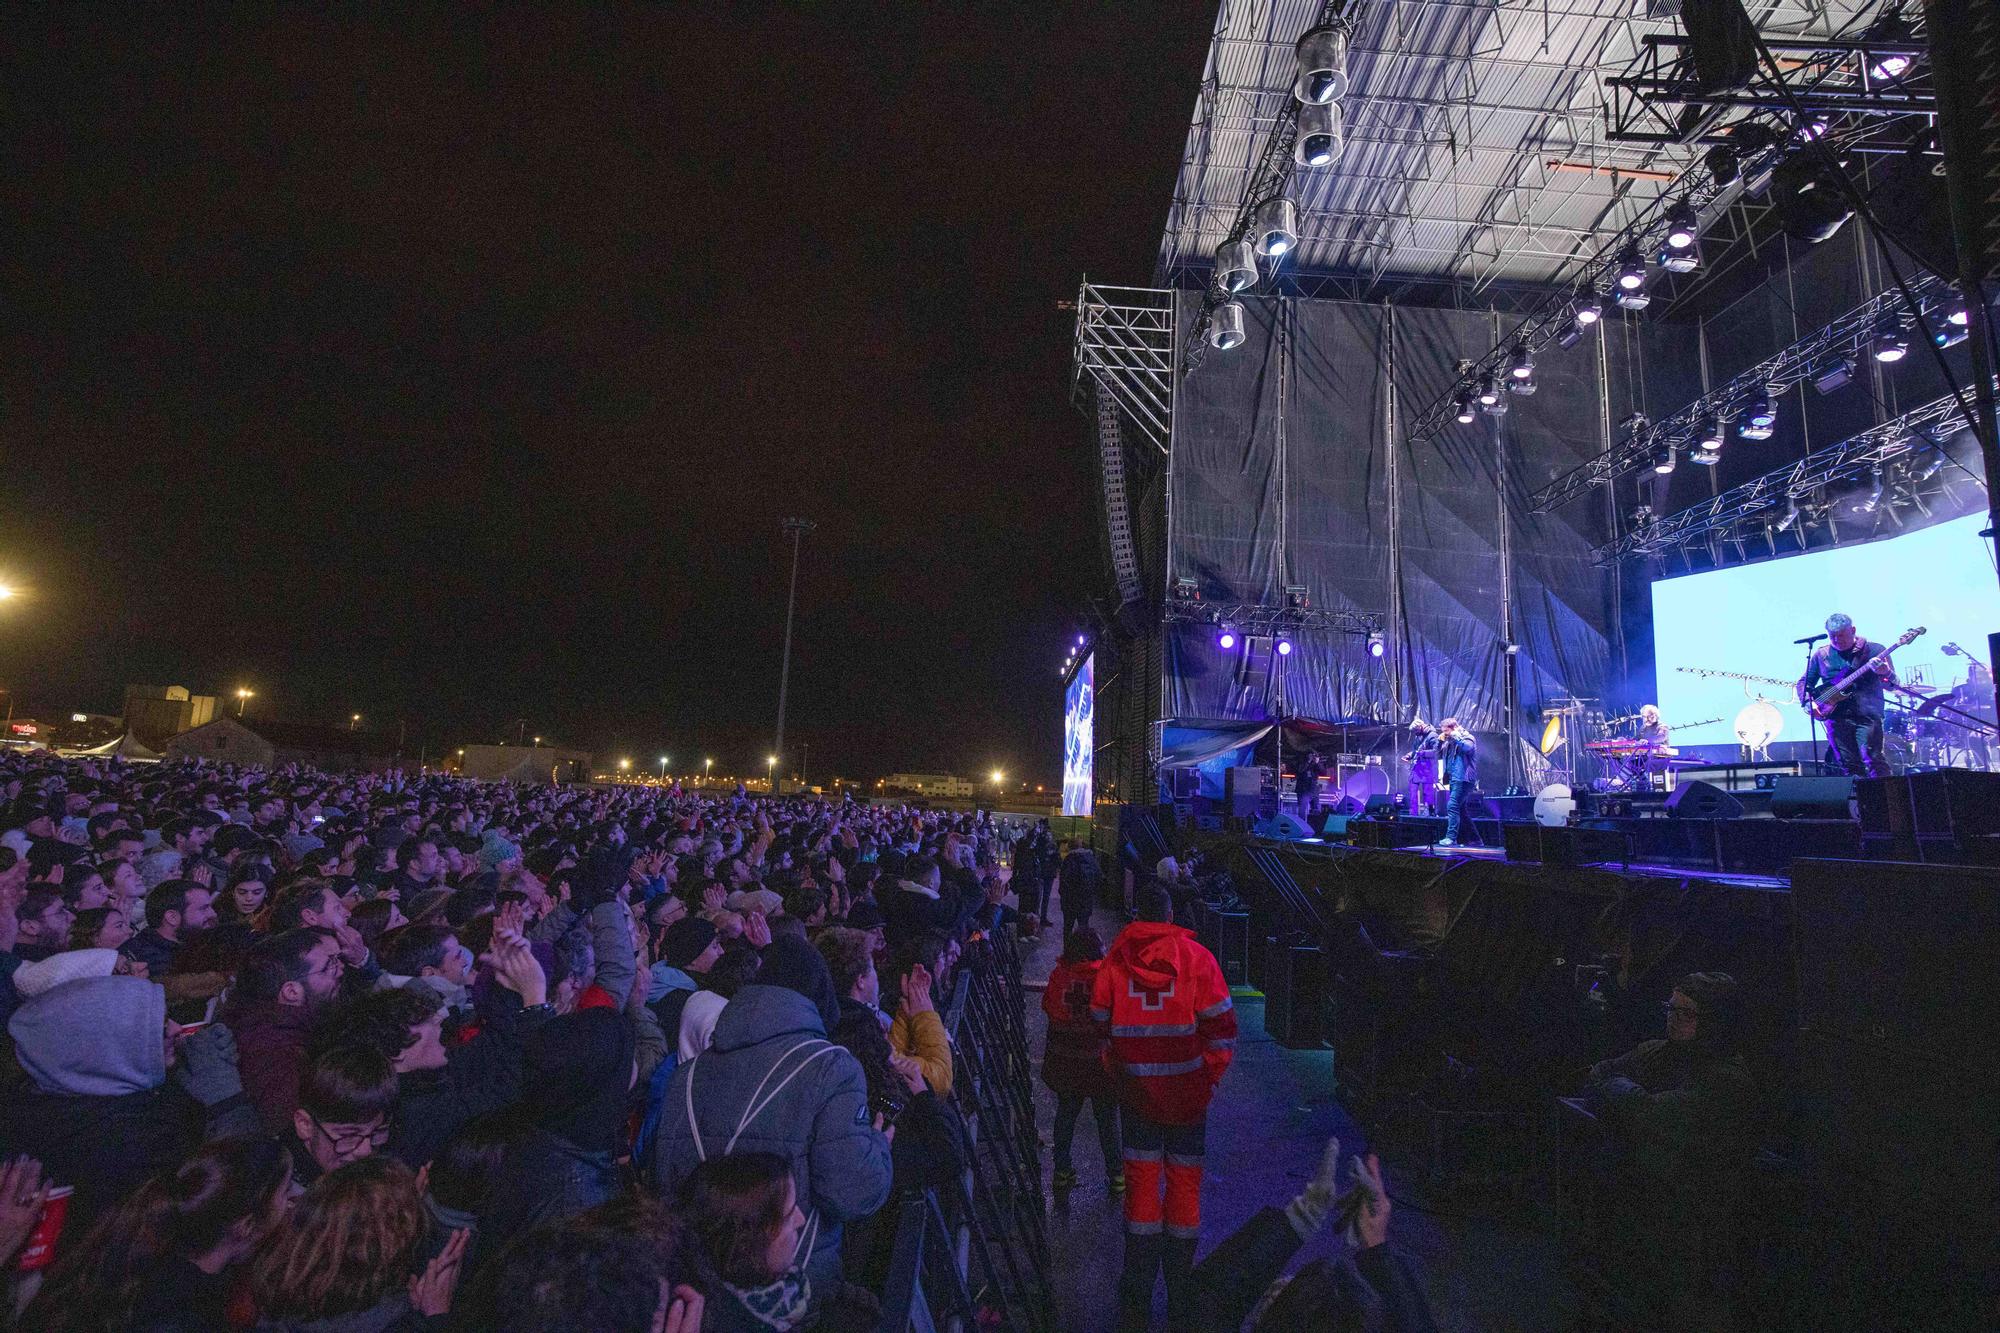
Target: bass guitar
pixel 1838 693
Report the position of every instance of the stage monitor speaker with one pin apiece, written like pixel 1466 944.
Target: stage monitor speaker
pixel 1240 789
pixel 1702 800
pixel 1333 824
pixel 1380 807
pixel 1955 802
pixel 1284 826
pixel 1295 994
pixel 1811 798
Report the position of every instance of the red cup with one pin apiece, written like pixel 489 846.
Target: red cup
pixel 40 1250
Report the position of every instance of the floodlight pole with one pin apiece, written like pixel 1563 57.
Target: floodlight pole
pixel 798 528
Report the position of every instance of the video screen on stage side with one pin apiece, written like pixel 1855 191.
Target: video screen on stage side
pixel 1745 618
pixel 1078 741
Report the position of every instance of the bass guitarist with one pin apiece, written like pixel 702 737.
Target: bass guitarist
pixel 1856 725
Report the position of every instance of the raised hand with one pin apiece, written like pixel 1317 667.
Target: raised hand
pixel 431 1293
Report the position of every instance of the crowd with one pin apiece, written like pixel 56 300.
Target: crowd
pixel 301 1051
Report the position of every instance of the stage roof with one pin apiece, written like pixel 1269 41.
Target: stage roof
pixel 1475 147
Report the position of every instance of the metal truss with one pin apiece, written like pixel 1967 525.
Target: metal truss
pixel 1644 103
pixel 1256 620
pixel 1124 346
pixel 1846 336
pixel 1117 513
pixel 1912 441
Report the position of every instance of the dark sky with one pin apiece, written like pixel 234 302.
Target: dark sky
pixel 462 372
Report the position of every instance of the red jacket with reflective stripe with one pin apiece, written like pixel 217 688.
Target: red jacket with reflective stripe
pixel 1173 1030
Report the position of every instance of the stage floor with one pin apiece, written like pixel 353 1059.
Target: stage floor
pixel 1646 869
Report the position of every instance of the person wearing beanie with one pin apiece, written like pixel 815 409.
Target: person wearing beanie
pixel 771 1081
pixel 688 949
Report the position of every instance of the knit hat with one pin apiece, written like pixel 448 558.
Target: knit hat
pixel 497 851
pixel 864 915
pixel 791 962
pixel 48 973
pixel 686 940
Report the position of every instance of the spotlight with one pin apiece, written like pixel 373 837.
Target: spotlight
pixel 1570 336
pixel 1663 461
pixel 1723 164
pixel 1946 331
pixel 1890 65
pixel 1284 647
pixel 1588 308
pixel 1813 125
pixel 1761 410
pixel 1711 438
pixel 1236 264
pixel 1750 430
pixel 1680 261
pixel 1934 466
pixel 1680 226
pixel 1489 391
pixel 1791 518
pixel 1807 194
pixel 1081 640
pixel 1498 407
pixel 1833 374
pixel 1322 54
pixel 1297 598
pixel 1956 313
pixel 1522 388
pixel 1277 226
pixel 1465 407
pixel 1704 457
pixel 1631 270
pixel 1377 645
pixel 1319 137
pixel 1521 365
pixel 1225 327
pixel 1890 343
pixel 1637 299
pixel 1874 500
pixel 1226 639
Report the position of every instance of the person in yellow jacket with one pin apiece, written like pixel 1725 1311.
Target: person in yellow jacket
pixel 919 1033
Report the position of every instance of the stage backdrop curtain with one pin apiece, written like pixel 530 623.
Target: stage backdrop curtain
pixel 1282 455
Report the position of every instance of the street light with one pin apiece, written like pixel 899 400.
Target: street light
pixel 707 768
pixel 997 777
pixel 538 740
pixel 243 698
pixel 624 765
pixel 663 768
pixel 354 722
pixel 6 591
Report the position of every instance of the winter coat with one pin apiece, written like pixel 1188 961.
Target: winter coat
pixel 922 1036
pixel 271 1054
pixel 810 1106
pixel 1073 1055
pixel 1162 1001
pixel 482 1076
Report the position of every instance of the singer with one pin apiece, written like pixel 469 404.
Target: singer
pixel 1456 750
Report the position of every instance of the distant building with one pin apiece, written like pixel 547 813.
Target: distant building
pixel 155 714
pixel 255 743
pixel 928 784
pixel 524 763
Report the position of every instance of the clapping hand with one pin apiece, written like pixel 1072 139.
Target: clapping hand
pixel 917 990
pixel 909 1069
pixel 515 966
pixel 757 930
pixel 430 1294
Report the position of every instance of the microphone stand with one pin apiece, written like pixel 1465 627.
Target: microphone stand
pixel 1812 718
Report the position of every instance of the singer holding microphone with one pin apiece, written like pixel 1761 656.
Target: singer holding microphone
pixel 1456 751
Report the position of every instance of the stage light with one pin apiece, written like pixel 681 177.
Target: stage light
pixel 1522 388
pixel 1631 269
pixel 1791 518
pixel 1521 365
pixel 1587 308
pixel 1225 326
pixel 1498 407
pixel 1297 598
pixel 1284 647
pixel 1956 313
pixel 1711 437
pixel 1681 225
pixel 1890 344
pixel 1570 336
pixel 1813 125
pixel 1874 500
pixel 1663 461
pixel 1704 457
pixel 1807 194
pixel 1761 410
pixel 1082 639
pixel 1236 266
pixel 1377 645
pixel 1465 407
pixel 1226 639
pixel 1750 430
pixel 1833 374
pixel 1890 65
pixel 1636 299
pixel 1723 163
pixel 1277 227
pixel 1680 261
pixel 1319 134
pixel 1489 391
pixel 1934 466
pixel 1322 54
pixel 1945 332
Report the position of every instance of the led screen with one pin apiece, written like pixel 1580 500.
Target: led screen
pixel 1078 707
pixel 1745 618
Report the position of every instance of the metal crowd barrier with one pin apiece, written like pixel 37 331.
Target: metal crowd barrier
pixel 980 1250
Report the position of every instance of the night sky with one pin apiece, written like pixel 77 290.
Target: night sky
pixel 460 373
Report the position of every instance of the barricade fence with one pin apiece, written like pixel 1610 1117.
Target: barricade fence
pixel 977 1255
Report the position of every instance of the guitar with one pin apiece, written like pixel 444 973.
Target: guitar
pixel 1838 693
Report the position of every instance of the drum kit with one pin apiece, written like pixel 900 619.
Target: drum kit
pixel 1951 728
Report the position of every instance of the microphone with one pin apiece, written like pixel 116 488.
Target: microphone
pixel 1809 642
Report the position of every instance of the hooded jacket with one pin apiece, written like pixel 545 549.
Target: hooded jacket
pixel 770 1081
pixel 1073 1056
pixel 100 1118
pixel 1160 998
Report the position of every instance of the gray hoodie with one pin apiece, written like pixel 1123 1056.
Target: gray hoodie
pixel 98 1037
pixel 771 1082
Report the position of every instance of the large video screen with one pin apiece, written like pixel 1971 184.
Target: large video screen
pixel 1745 618
pixel 1079 703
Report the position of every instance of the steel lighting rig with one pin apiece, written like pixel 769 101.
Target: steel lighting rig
pixel 1912 445
pixel 1254 620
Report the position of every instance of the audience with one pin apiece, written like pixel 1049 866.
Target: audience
pixel 293 1050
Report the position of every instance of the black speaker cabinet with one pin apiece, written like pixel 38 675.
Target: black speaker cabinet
pixel 1955 803
pixel 1811 798
pixel 1563 845
pixel 1241 788
pixel 1232 946
pixel 1295 995
pixel 1702 800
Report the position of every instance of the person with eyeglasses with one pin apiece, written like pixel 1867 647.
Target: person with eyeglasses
pixel 346 1098
pixel 1678 1113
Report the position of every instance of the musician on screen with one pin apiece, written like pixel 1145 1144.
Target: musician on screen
pixel 1456 750
pixel 1855 727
